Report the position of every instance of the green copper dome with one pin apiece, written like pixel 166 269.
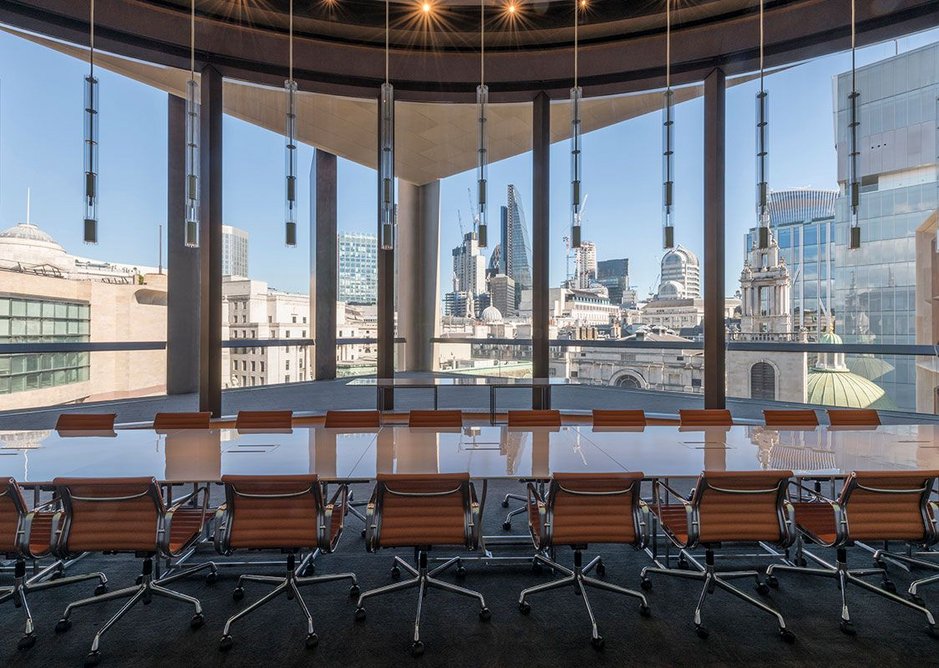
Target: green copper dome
pixel 845 389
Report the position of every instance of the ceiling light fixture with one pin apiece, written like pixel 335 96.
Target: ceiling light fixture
pixel 386 143
pixel 90 234
pixel 290 142
pixel 668 139
pixel 191 234
pixel 762 153
pixel 482 150
pixel 576 94
pixel 854 123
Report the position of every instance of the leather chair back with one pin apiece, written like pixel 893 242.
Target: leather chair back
pixel 109 515
pixel 353 419
pixel 167 421
pixel 619 418
pixel 12 515
pixel 584 508
pixel 863 417
pixel 264 420
pixel 276 512
pixel 445 419
pixel 743 506
pixel 708 417
pixel 888 505
pixel 544 418
pixel 790 418
pixel 422 510
pixel 85 422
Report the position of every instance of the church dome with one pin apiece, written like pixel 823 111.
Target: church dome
pixel 845 389
pixel 491 315
pixel 29 232
pixel 28 245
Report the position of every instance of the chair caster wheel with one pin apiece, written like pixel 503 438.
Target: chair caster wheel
pixel 485 615
pixel 417 648
pixel 26 642
pixel 225 643
pixel 197 621
pixel 787 636
pixel 238 593
pixel 762 588
pixel 524 607
pixel 701 631
pixel 101 589
pixel 645 610
pixel 506 526
pixel 847 628
pixel 505 503
pixel 597 643
pixel 601 569
pixel 211 578
pixel 359 614
pixel 645 584
pixel 354 591
pixel 312 640
pixel 461 572
pixel 93 659
pixel 888 585
pixel 395 573
pixel 63 625
pixel 772 581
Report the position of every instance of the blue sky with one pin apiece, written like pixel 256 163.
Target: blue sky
pixel 41 139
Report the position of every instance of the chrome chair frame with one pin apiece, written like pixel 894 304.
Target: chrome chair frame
pixel 578 576
pixel 290 584
pixel 708 572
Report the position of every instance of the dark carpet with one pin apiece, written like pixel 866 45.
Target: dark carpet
pixel 556 633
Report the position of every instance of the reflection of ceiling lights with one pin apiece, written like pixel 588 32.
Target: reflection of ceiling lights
pixel 426 7
pixel 511 8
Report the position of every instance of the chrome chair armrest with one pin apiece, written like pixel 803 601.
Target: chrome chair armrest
pixel 814 495
pixel 166 526
pixel 337 503
pixel 371 527
pixel 220 536
pixel 475 528
pixel 644 524
pixel 790 530
pixel 24 531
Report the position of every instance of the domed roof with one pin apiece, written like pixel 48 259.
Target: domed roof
pixel 491 315
pixel 29 232
pixel 830 338
pixel 682 254
pixel 671 290
pixel 846 389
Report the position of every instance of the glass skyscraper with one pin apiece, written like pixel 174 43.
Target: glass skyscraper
pixel 358 268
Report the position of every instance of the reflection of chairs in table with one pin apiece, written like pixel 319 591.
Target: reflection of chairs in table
pixel 423 511
pixel 534 418
pixel 580 509
pixel 872 506
pixel 726 507
pixel 619 418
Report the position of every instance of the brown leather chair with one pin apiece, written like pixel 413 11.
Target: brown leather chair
pixel 873 506
pixel 353 419
pixel 580 509
pixel 725 507
pixel 26 535
pixel 169 421
pixel 432 419
pixel 619 418
pixel 128 515
pixel 541 418
pixel 790 418
pixel 286 513
pixel 85 424
pixel 864 417
pixel 421 511
pixel 264 420
pixel 707 417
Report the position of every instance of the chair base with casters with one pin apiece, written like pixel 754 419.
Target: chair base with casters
pixel 22 586
pixel 144 591
pixel 712 580
pixel 907 561
pixel 289 585
pixel 507 524
pixel 423 580
pixel 579 579
pixel 845 576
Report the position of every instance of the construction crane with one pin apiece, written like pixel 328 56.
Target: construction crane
pixel 459 219
pixel 473 209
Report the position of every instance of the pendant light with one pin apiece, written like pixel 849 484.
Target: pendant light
pixel 386 143
pixel 482 151
pixel 290 141
pixel 854 123
pixel 576 94
pixel 90 234
pixel 762 152
pixel 668 139
pixel 192 140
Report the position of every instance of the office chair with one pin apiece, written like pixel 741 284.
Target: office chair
pixel 707 417
pixel 537 418
pixel 725 507
pixel 421 511
pixel 433 419
pixel 286 513
pixel 619 418
pixel 353 420
pixel 580 509
pixel 864 417
pixel 872 506
pixel 264 420
pixel 128 515
pixel 170 421
pixel 26 535
pixel 790 418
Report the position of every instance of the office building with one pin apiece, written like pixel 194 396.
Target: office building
pixel 234 252
pixel 358 268
pixel 469 266
pixel 614 276
pixel 502 294
pixel 585 265
pixel 680 276
pixel 515 248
